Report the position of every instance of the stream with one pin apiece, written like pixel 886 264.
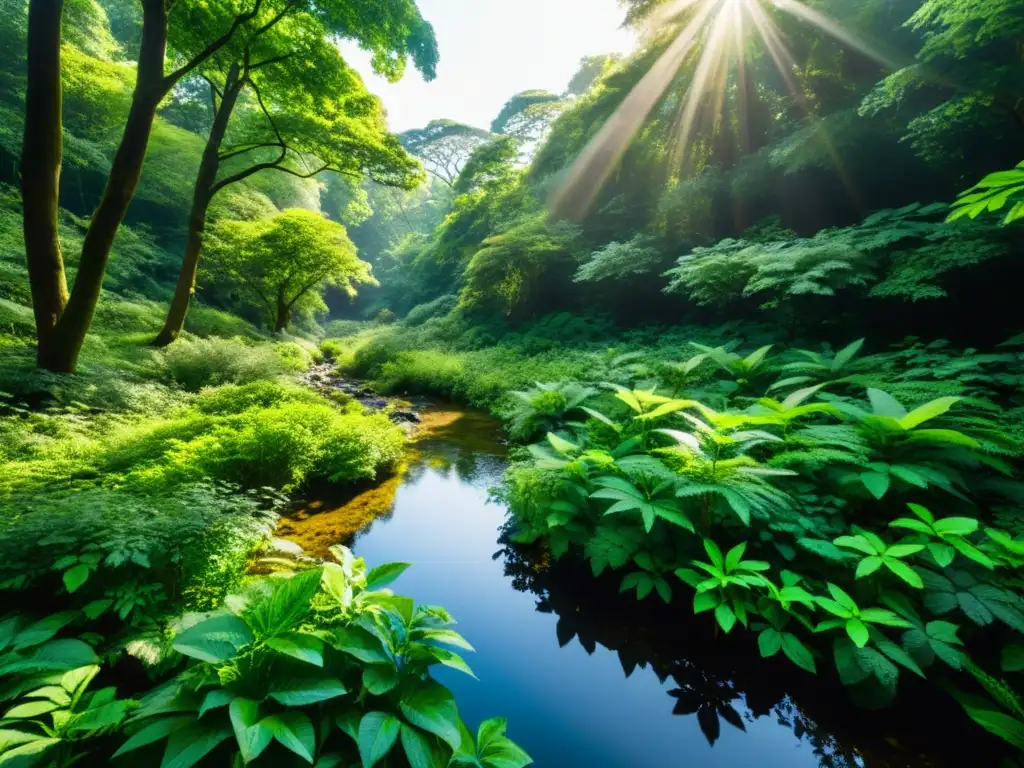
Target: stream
pixel 544 637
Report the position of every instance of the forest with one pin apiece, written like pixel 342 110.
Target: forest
pixel 738 312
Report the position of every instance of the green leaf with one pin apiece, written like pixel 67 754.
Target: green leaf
pixel 769 642
pixel 380 678
pixel 450 659
pixel 215 699
pixel 155 731
pixel 378 732
pixel 420 750
pixel 214 640
pixel 76 577
pixel 187 746
pixel 858 632
pixel 356 641
pixel 299 646
pixel 876 482
pixel 43 630
pixel 27 754
pixel 30 709
pixel 431 707
pixel 1002 725
pixel 950 436
pixel 562 445
pixel 294 731
pixel 927 412
pixel 943 553
pixel 867 566
pixel 725 617
pixel 287 605
pixel 797 652
pixel 905 572
pixel 884 404
pixel 251 736
pixel 957 526
pixel 445 636
pixel 297 692
pixel 383 575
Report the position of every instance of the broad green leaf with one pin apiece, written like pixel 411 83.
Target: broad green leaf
pixel 380 678
pixel 378 732
pixel 858 632
pixel 867 566
pixel 884 404
pixel 876 482
pixel 154 731
pixel 294 731
pixel 769 642
pixel 27 754
pixel 445 636
pixel 846 354
pixel 431 707
pixel 562 445
pixel 725 617
pixel 286 605
pixel 797 652
pixel 956 526
pixel 905 572
pixel 928 411
pixel 42 630
pixel 383 575
pixel 357 642
pixel 30 709
pixel 950 436
pixel 76 577
pixel 251 736
pixel 215 639
pixel 299 646
pixel 299 692
pixel 187 746
pixel 215 699
pixel 420 750
pixel 841 597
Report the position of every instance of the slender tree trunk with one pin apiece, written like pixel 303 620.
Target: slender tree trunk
pixel 40 169
pixel 69 334
pixel 283 314
pixel 201 197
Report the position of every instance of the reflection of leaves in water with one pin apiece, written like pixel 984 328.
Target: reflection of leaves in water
pixel 718 678
pixel 709 699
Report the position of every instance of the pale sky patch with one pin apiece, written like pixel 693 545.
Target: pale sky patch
pixel 492 49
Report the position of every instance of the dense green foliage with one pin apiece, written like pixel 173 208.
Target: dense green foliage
pixel 747 299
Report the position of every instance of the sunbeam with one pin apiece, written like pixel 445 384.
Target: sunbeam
pixel 720 28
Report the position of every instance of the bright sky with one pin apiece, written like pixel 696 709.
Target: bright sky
pixel 492 49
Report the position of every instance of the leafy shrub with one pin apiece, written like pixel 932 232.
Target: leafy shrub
pixel 442 305
pixel 811 492
pixel 235 398
pixel 282 446
pixel 329 646
pixel 196 363
pixel 192 542
pixel 208 322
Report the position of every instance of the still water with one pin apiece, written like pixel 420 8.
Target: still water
pixel 543 640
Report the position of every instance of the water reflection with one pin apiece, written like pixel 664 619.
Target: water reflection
pixel 588 677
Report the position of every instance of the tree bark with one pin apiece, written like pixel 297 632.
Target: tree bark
pixel 150 87
pixel 283 315
pixel 201 196
pixel 41 157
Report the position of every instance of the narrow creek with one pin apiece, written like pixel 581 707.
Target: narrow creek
pixel 544 636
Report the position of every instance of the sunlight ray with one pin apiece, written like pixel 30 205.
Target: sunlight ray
pixel 597 161
pixel 721 27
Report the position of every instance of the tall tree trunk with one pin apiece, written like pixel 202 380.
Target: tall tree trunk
pixel 201 197
pixel 41 155
pixel 150 87
pixel 284 312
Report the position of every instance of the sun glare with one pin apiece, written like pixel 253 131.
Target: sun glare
pixel 720 28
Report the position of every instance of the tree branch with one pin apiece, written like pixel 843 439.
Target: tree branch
pixel 248 148
pixel 243 18
pixel 272 60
